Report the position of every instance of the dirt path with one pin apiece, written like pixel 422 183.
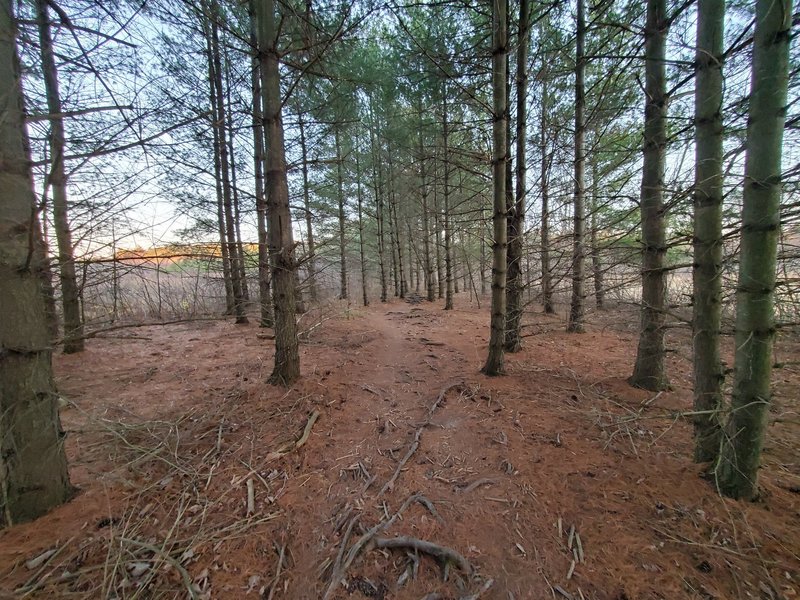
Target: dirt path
pixel 555 481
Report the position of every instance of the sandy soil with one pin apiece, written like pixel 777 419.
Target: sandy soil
pixel 557 480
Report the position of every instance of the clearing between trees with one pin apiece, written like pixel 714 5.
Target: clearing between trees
pixel 394 469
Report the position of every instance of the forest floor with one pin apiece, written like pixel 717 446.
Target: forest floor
pixel 557 480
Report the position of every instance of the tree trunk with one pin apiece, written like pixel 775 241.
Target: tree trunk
pixel 495 360
pixel 57 178
pixel 597 265
pixel 342 223
pixel 737 474
pixel 426 233
pixel 240 258
pixel 311 258
pixel 576 309
pixel 227 198
pixel 223 242
pixel 516 220
pixel 42 267
pixel 448 233
pixel 709 373
pixel 547 276
pixel 649 372
pixel 437 223
pixel 281 244
pixel 361 234
pixel 483 236
pixel 379 222
pixel 265 296
pixel 33 466
pixel 401 284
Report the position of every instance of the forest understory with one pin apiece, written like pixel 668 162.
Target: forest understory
pixel 196 479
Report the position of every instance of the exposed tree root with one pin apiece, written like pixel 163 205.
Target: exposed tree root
pixel 417 435
pixel 343 561
pixel 441 553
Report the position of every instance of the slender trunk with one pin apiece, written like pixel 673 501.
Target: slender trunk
pixel 240 258
pixel 576 309
pixel 378 205
pixel 448 234
pixel 361 234
pixel 227 197
pixel 426 234
pixel 42 267
pixel 342 245
pixel 400 275
pixel 33 466
pixel 57 178
pixel 311 258
pixel 709 374
pixel 737 473
pixel 281 244
pixel 223 242
pixel 516 219
pixel 437 224
pixel 483 237
pixel 649 372
pixel 496 356
pixel 544 181
pixel 265 297
pixel 597 266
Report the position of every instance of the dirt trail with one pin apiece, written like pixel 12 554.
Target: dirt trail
pixel 554 481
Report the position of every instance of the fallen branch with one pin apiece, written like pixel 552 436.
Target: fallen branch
pixel 441 553
pixel 413 448
pixel 286 448
pixel 476 484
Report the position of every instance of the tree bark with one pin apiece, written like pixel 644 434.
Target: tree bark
pixel 547 276
pixel 364 296
pixel 496 357
pixel 649 372
pixel 57 179
pixel 33 466
pixel 576 309
pixel 227 197
pixel 237 220
pixel 709 373
pixel 311 258
pixel 223 242
pixel 281 244
pixel 437 224
pixel 265 295
pixel 430 288
pixel 342 222
pixel 597 263
pixel 448 233
pixel 516 220
pixel 379 222
pixel 737 473
pixel 401 283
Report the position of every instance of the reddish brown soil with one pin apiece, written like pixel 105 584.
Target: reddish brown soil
pixel 166 427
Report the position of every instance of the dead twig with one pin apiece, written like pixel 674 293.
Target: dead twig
pixel 277 577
